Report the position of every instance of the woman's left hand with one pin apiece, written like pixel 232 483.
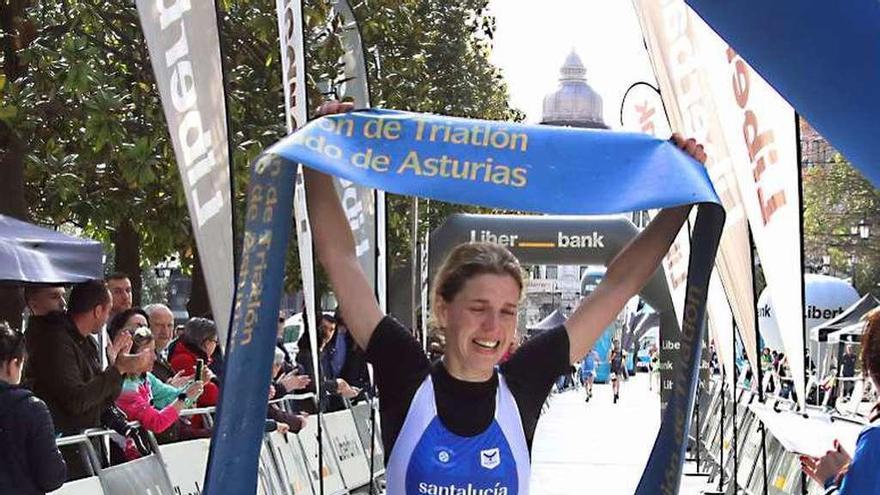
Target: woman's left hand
pixel 830 464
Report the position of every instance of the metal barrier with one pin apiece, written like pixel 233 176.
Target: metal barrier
pixel 147 474
pixel 740 462
pixel 288 464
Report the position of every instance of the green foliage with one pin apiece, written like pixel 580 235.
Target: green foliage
pixel 836 198
pixel 431 56
pixel 90 116
pixel 98 150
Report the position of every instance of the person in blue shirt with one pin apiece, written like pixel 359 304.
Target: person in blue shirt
pixel 465 424
pixel 588 372
pixel 836 470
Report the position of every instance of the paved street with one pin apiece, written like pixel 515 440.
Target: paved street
pixel 598 447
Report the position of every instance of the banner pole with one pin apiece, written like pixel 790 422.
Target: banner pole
pixel 236 249
pixel 414 257
pixel 808 358
pixel 758 374
pixel 721 440
pixel 735 404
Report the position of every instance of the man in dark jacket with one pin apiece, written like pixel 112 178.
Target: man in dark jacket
pixel 65 370
pixel 345 359
pixel 29 460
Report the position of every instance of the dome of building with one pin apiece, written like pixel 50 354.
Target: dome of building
pixel 575 103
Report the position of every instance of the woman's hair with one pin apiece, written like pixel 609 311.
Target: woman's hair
pixel 11 343
pixel 871 352
pixel 469 260
pixel 140 338
pixel 118 322
pixel 198 330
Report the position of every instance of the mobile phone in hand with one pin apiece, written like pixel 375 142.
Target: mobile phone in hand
pixel 200 365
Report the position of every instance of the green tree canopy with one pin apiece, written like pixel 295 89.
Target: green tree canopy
pixel 837 198
pixel 79 95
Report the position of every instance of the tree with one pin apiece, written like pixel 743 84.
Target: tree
pixel 836 198
pixel 15 33
pixel 80 98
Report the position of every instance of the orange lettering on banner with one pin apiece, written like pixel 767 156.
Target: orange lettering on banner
pixel 646 113
pixel 761 145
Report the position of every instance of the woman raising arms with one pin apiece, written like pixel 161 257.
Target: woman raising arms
pixel 464 421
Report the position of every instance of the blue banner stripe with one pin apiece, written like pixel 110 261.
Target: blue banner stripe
pixel 543 169
pixel 241 412
pixel 494 164
pixel 822 57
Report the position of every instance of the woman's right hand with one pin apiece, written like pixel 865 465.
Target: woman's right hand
pixel 345 390
pixel 333 106
pixel 830 464
pixel 195 389
pixel 291 381
pixel 179 380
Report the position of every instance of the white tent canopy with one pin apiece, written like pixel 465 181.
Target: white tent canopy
pixel 851 333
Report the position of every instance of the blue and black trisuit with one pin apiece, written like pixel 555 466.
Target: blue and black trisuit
pixel 444 435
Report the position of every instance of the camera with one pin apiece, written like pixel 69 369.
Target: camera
pixel 114 419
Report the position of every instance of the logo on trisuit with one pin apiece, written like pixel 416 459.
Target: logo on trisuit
pixel 490 458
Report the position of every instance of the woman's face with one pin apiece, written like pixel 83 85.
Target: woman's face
pixel 148 365
pixel 480 323
pixel 327 328
pixel 134 322
pixel 210 345
pixel 12 370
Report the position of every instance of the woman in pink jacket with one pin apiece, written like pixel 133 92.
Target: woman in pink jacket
pixel 146 399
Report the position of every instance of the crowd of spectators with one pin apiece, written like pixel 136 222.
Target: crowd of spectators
pixel 89 359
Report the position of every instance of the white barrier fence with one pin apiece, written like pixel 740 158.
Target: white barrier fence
pixel 288 464
pixel 785 434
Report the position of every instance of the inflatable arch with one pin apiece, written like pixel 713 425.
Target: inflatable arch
pixel 548 240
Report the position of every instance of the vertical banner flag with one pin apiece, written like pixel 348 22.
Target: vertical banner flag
pixel 721 326
pixel 293 79
pixel 768 173
pixel 686 84
pixel 236 441
pixel 359 203
pixel 184 47
pixel 820 56
pixel 643 111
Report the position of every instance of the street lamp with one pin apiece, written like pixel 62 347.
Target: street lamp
pixel 862 229
pixel 852 264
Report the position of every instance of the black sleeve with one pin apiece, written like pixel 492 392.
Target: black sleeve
pixel 397 359
pixel 48 469
pixel 531 371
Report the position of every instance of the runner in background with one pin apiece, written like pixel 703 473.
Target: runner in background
pixel 654 369
pixel 615 358
pixel 588 372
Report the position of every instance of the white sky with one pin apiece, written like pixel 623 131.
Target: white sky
pixel 534 37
